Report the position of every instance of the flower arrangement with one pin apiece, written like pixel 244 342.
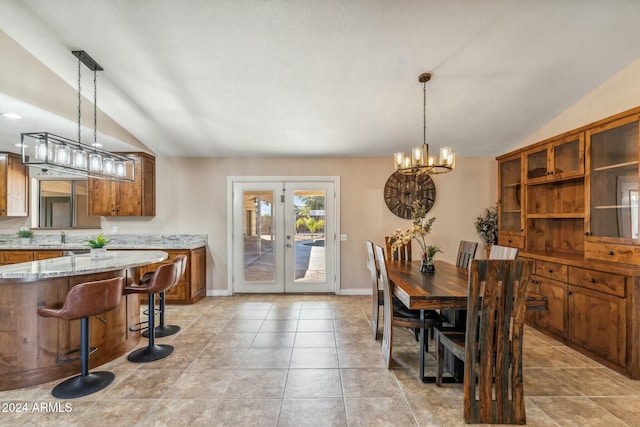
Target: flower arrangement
pixel 420 229
pixel 99 242
pixel 25 233
pixel 487 226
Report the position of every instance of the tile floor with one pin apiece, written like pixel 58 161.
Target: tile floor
pixel 311 361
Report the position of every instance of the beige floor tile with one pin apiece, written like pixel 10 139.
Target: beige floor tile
pixel 144 384
pixel 274 339
pixel 180 413
pixel 315 325
pixel 324 412
pixel 624 408
pixel 360 357
pixel 316 313
pixel 576 411
pixel 369 383
pixel 279 325
pixel 243 325
pixel 196 384
pixel 257 384
pixel 306 383
pixel 315 339
pixel 325 357
pixel 261 358
pixel 218 375
pixel 373 412
pixel 219 358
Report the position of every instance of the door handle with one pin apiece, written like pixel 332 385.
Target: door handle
pixel 288 245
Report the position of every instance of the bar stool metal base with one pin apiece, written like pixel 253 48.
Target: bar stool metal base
pixel 163 331
pixel 150 353
pixel 79 385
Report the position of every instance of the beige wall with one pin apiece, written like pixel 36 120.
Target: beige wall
pixel 620 93
pixel 192 199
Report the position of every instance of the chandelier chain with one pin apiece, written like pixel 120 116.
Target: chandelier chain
pixel 95 106
pixel 424 112
pixel 79 100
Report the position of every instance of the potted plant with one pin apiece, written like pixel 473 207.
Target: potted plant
pixel 487 227
pixel 97 245
pixel 25 235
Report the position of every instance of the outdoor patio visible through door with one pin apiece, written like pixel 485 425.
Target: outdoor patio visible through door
pixel 284 236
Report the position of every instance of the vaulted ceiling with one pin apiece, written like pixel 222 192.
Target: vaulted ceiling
pixel 326 78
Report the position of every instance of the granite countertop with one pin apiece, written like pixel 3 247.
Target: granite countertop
pixel 76 265
pixel 118 241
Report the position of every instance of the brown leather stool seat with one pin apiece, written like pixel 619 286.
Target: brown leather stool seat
pixel 161 280
pixel 163 330
pixel 83 301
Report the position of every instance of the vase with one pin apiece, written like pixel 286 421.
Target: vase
pixel 98 253
pixel 427 265
pixel 25 240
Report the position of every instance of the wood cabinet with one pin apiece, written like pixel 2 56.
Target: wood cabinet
pixel 192 285
pixel 612 182
pixel 581 227
pixel 557 159
pixel 510 202
pixel 14 257
pixel 14 186
pixel 138 198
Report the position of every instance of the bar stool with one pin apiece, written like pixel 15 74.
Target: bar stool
pixel 161 280
pixel 83 301
pixel 163 330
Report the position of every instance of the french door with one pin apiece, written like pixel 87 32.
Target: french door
pixel 283 236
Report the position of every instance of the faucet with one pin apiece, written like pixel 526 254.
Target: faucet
pixel 62 237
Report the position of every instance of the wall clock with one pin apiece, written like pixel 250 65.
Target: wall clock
pixel 402 190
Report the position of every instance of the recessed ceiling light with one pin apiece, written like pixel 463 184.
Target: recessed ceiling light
pixel 20 145
pixel 97 144
pixel 12 116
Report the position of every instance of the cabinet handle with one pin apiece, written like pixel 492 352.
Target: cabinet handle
pixel 610 253
pixel 592 280
pixel 586 233
pixel 549 270
pixel 569 293
pixel 509 241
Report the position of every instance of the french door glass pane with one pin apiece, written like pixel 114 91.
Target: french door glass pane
pixel 259 237
pixel 309 242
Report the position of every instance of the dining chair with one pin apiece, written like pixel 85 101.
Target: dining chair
pixel 397 314
pixel 377 294
pixel 466 252
pixel 503 252
pixel 403 253
pixel 491 345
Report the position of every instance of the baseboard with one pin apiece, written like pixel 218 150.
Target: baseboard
pixel 218 293
pixel 356 291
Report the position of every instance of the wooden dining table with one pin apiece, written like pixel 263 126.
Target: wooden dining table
pixel 444 289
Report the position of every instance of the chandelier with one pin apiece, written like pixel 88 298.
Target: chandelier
pixel 53 152
pixel 419 161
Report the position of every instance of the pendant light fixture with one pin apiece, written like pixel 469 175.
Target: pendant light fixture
pixel 53 152
pixel 419 161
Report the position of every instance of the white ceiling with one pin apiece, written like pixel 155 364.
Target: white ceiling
pixel 330 77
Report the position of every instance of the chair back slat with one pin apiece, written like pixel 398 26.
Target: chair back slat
pixel 374 275
pixel 403 253
pixel 466 252
pixel 503 252
pixel 493 341
pixel 387 329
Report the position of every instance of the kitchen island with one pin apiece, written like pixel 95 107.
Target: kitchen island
pixel 30 344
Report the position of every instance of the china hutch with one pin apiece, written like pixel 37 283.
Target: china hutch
pixel 570 204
